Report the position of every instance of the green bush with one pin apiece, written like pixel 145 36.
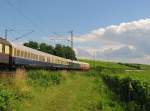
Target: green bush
pixel 6 100
pixel 130 91
pixel 43 78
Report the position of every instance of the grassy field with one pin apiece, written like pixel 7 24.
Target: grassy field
pixel 77 91
pixel 39 90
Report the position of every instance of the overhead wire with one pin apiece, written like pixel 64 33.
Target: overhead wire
pixel 20 12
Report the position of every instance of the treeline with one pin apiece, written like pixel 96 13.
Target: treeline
pixel 59 50
pixel 136 66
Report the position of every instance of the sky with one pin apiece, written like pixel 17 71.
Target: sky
pixel 116 30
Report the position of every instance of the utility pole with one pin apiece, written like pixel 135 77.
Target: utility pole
pixel 93 51
pixel 17 38
pixel 71 32
pixel 6 32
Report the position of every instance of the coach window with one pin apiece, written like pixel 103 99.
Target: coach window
pixel 15 53
pixel 6 49
pixel 31 55
pixel 21 53
pixel 36 57
pixel 25 54
pixel 1 48
pixel 28 54
pixel 18 53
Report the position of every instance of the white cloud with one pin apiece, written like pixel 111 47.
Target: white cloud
pixel 125 41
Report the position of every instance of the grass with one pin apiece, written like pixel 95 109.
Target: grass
pixel 136 75
pixel 77 91
pixel 115 65
pixel 40 90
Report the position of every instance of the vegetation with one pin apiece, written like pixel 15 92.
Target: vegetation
pixel 58 90
pixel 130 83
pixel 59 50
pixel 130 91
pixel 107 86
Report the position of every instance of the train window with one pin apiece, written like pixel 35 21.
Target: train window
pixel 6 49
pixel 15 52
pixel 25 54
pixel 53 60
pixel 21 53
pixel 1 48
pixel 36 57
pixel 31 56
pixel 49 59
pixel 28 54
pixel 43 58
pixel 18 52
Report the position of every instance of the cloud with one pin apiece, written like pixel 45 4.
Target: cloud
pixel 124 41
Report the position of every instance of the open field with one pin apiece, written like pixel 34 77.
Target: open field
pixel 59 91
pixel 106 87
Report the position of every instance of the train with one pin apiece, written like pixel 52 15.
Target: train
pixel 13 55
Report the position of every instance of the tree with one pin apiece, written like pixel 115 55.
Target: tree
pixel 46 48
pixel 58 50
pixel 69 53
pixel 32 44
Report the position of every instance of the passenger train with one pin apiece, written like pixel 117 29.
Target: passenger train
pixel 13 55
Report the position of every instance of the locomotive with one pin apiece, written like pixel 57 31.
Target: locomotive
pixel 14 55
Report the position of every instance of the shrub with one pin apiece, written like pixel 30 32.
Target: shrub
pixel 133 92
pixel 43 78
pixel 7 99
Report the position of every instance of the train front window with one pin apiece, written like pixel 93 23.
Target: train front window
pixel 1 48
pixel 6 49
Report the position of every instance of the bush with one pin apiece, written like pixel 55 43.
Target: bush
pixel 43 78
pixel 133 92
pixel 7 99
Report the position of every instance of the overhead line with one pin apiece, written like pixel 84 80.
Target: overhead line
pixel 18 10
pixel 23 15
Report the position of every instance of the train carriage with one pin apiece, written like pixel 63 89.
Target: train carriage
pixel 14 55
pixel 5 53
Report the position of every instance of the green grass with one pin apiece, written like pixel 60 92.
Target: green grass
pixel 115 65
pixel 136 75
pixel 77 91
pixel 40 90
pixel 130 83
